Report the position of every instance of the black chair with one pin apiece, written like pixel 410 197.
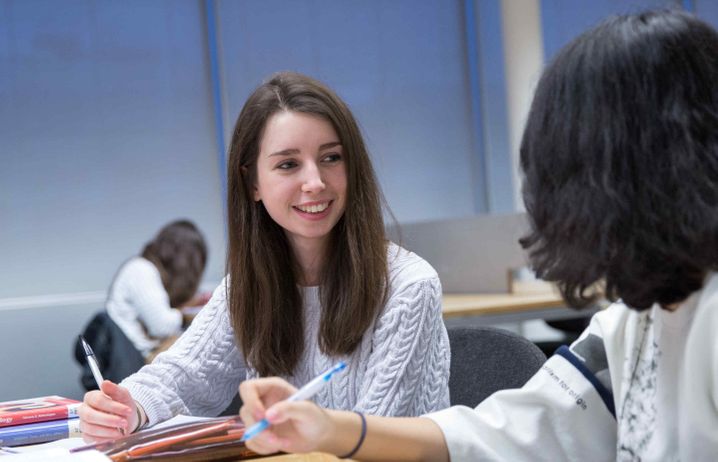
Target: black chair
pixel 116 356
pixel 571 330
pixel 486 359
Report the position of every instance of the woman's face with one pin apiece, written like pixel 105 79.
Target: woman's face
pixel 301 177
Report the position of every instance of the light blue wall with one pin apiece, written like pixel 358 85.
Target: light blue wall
pixel 565 19
pixel 105 133
pixel 706 9
pixel 36 351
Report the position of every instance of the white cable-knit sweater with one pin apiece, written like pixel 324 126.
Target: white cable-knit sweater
pixel 400 368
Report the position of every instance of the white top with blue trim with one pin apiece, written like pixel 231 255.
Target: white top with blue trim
pixel 634 386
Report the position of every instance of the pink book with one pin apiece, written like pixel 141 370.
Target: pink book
pixel 39 409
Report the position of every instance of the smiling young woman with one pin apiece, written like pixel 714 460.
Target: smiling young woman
pixel 311 280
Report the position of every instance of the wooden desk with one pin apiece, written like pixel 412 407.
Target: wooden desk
pixel 499 308
pixel 482 304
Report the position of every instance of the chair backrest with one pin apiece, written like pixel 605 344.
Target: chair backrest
pixel 487 359
pixel 116 356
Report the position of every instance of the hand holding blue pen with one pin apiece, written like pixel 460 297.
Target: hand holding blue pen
pixel 306 392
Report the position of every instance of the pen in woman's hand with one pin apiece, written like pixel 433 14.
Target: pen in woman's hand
pixel 92 361
pixel 94 367
pixel 306 392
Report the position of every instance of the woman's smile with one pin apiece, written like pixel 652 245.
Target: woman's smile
pixel 314 210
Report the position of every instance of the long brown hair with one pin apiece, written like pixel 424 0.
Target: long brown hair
pixel 180 254
pixel 265 304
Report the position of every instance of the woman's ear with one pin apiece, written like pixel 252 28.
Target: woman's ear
pixel 255 192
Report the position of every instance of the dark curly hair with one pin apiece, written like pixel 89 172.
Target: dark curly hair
pixel 620 157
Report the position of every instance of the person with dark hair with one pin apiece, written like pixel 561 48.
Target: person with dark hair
pixel 311 280
pixel 148 291
pixel 620 162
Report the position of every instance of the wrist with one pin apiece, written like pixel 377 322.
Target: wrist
pixel 360 441
pixel 328 440
pixel 141 417
pixel 343 433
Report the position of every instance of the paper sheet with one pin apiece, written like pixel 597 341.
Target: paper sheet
pixel 65 443
pixel 56 454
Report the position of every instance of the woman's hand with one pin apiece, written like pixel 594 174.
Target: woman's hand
pixel 107 414
pixel 298 426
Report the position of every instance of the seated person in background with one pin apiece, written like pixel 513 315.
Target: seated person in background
pixel 312 280
pixel 620 163
pixel 148 291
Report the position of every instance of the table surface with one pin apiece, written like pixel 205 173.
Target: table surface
pixel 484 304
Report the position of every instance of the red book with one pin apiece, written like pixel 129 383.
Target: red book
pixel 37 410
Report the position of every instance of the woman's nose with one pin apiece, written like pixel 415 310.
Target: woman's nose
pixel 312 180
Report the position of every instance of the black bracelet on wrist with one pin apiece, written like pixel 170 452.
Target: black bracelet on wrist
pixel 361 437
pixel 139 418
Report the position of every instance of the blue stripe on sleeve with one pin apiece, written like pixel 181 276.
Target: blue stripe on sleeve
pixel 605 394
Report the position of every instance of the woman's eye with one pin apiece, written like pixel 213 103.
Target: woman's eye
pixel 334 157
pixel 287 165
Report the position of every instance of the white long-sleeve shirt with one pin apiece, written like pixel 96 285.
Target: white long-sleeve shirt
pixel 139 304
pixel 636 386
pixel 400 368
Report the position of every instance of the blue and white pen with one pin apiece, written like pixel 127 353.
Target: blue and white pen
pixel 306 392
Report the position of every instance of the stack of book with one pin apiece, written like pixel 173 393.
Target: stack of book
pixel 38 420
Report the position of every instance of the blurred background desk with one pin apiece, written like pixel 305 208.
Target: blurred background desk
pixel 507 308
